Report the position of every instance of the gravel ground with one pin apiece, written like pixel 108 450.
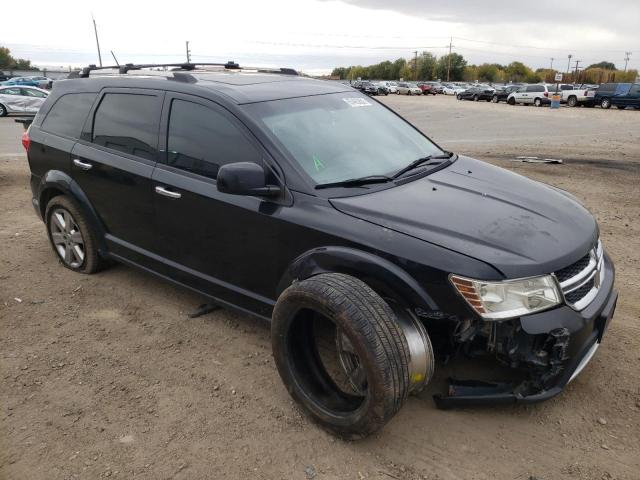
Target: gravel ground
pixel 106 376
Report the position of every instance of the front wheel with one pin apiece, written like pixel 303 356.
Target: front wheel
pixel 3 110
pixel 537 102
pixel 605 103
pixel 342 354
pixel 511 101
pixel 495 99
pixel 572 101
pixel 459 97
pixel 476 98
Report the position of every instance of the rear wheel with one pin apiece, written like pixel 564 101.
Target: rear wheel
pixel 459 97
pixel 537 102
pixel 3 110
pixel 476 98
pixel 71 237
pixel 605 103
pixel 511 101
pixel 572 101
pixel 621 107
pixel 344 355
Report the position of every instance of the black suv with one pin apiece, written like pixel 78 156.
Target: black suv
pixel 370 249
pixel 621 95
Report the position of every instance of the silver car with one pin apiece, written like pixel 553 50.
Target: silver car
pixel 25 100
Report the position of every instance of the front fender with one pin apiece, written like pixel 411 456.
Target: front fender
pixel 384 276
pixel 54 182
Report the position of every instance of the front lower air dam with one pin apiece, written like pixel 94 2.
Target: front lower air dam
pixel 422 361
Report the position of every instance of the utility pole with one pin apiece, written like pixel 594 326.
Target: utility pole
pixel 627 56
pixel 569 63
pixel 188 53
pixel 551 67
pixel 575 77
pixel 449 63
pixel 95 30
pixel 415 65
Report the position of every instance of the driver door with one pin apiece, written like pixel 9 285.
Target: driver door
pixel 208 240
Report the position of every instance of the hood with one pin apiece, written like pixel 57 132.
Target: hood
pixel 519 226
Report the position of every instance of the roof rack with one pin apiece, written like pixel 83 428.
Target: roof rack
pixel 187 66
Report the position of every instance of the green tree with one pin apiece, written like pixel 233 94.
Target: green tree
pixel 454 64
pixel 517 71
pixel 426 66
pixel 604 65
pixel 488 72
pixel 7 61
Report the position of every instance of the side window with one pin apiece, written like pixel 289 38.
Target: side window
pixel 68 114
pixel 201 140
pixel 29 92
pixel 535 88
pixel 10 91
pixel 128 123
pixel 635 90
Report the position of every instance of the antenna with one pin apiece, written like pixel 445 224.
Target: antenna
pixel 114 58
pixel 95 30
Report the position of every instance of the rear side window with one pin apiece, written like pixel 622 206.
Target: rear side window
pixel 68 114
pixel 607 87
pixel 128 123
pixel 201 140
pixel 535 88
pixel 635 90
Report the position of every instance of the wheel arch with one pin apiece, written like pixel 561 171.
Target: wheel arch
pixel 383 276
pixel 57 182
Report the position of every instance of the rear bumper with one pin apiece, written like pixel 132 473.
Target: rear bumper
pixel 576 335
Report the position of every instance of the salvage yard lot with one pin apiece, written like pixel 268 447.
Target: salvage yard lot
pixel 107 376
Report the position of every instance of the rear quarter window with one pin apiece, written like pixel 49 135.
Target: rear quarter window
pixel 68 114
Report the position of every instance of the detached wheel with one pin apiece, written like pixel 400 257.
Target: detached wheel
pixel 345 356
pixel 605 103
pixel 71 237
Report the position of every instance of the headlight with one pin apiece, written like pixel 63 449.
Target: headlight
pixel 508 299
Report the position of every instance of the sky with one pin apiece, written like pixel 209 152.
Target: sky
pixel 317 35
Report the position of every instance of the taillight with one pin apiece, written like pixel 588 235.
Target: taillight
pixel 26 141
pixel 586 92
pixel 546 94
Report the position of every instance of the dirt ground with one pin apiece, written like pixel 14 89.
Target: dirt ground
pixel 106 376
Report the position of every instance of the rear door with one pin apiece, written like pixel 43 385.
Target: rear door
pixel 113 163
pixel 33 99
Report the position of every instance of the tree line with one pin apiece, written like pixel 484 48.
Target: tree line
pixel 454 67
pixel 8 62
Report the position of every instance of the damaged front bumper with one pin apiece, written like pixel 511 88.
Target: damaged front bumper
pixel 551 347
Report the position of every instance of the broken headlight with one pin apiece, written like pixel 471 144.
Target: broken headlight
pixel 509 298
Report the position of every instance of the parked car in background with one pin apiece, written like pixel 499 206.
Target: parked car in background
pixel 577 96
pixel 21 81
pixel 382 88
pixel 24 100
pixel 453 89
pixel 537 94
pixel 392 87
pixel 4 77
pixel 437 88
pixel 43 82
pixel 476 93
pixel 621 95
pixel 502 93
pixel 427 88
pixel 405 88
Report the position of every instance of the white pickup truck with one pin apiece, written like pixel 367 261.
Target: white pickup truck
pixel 578 95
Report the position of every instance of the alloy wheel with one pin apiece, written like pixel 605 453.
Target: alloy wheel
pixel 67 238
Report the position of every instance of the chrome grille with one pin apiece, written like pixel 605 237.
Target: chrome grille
pixel 581 281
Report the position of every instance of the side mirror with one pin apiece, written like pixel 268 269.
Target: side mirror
pixel 245 178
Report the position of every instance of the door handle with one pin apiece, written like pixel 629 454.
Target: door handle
pixel 167 193
pixel 83 165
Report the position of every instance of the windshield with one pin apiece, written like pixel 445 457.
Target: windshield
pixel 342 136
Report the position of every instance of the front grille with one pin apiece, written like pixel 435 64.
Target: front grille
pixel 581 280
pixel 572 270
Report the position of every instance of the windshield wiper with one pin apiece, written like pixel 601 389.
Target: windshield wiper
pixel 422 162
pixel 356 182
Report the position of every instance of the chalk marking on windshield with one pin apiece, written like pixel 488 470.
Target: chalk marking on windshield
pixel 357 102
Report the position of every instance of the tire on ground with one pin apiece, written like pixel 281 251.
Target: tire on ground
pixel 92 261
pixel 371 328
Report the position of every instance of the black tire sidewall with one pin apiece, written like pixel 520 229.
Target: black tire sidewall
pixel 3 110
pixel 378 406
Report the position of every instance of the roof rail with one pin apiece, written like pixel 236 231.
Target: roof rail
pixel 188 66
